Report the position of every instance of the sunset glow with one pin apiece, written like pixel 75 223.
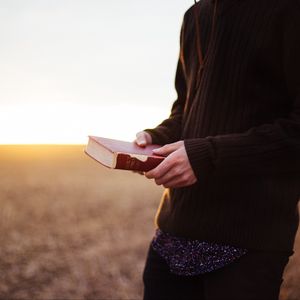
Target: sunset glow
pixel 71 124
pixel 69 69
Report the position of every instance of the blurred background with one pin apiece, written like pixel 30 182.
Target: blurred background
pixel 69 228
pixel 71 67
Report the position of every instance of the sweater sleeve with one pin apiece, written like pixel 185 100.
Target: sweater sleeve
pixel 272 148
pixel 170 129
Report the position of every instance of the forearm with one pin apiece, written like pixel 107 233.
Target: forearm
pixel 269 149
pixel 168 131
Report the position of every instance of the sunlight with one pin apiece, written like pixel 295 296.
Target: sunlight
pixel 71 123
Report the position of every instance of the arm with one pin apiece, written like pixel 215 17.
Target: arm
pixel 271 149
pixel 268 149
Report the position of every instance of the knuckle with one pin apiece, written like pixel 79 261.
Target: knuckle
pixel 185 177
pixel 156 173
pixel 181 158
pixel 165 164
pixel 148 175
pixel 177 171
pixel 177 158
pixel 157 181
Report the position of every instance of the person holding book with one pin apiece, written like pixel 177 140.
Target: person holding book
pixel 227 220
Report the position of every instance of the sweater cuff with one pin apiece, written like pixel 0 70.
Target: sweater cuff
pixel 200 153
pixel 157 138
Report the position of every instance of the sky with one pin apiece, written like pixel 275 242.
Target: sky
pixel 73 68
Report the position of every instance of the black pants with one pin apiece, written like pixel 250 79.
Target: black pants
pixel 255 276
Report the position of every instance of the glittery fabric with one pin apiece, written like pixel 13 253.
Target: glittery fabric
pixel 192 257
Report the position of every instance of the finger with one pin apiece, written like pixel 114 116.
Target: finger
pixel 178 182
pixel 178 179
pixel 143 138
pixel 175 182
pixel 167 149
pixel 173 173
pixel 160 170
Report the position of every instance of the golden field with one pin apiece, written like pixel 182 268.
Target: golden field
pixel 71 229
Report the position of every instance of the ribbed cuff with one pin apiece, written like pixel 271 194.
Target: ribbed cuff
pixel 200 154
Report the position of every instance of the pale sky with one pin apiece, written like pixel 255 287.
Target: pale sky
pixel 72 68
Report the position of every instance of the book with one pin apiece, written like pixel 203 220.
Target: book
pixel 116 154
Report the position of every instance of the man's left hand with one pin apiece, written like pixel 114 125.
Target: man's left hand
pixel 175 171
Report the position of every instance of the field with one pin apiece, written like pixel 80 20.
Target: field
pixel 71 229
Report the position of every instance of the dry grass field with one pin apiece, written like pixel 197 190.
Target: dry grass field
pixel 71 229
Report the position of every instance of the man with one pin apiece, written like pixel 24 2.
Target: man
pixel 228 217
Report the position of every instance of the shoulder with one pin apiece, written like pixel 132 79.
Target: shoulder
pixel 187 17
pixel 201 5
pixel 189 12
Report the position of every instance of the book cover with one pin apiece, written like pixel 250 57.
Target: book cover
pixel 123 155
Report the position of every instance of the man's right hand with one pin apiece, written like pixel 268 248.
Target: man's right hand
pixel 143 139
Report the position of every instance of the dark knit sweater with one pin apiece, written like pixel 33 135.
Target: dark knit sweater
pixel 240 126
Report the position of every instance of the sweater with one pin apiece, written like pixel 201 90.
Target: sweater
pixel 240 124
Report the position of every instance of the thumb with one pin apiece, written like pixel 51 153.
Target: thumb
pixel 141 141
pixel 167 149
pixel 143 138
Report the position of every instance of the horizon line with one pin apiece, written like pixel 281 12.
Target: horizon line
pixel 41 144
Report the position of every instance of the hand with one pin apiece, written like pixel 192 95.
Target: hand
pixel 175 171
pixel 143 138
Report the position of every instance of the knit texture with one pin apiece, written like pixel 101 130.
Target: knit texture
pixel 240 126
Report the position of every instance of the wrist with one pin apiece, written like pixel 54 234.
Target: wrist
pixel 200 154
